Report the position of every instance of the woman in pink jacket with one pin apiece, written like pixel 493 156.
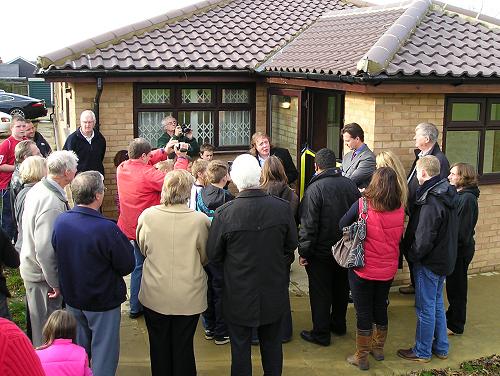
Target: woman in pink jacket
pixel 370 284
pixel 60 356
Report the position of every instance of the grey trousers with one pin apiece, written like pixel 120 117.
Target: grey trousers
pixel 40 307
pixel 99 334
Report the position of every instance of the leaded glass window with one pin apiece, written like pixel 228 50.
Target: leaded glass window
pixel 149 125
pixel 202 124
pixel 196 96
pixel 234 128
pixel 154 96
pixel 235 96
pixel 220 114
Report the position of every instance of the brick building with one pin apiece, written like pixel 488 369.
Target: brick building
pixel 298 70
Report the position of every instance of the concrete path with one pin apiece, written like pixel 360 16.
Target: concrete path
pixel 482 337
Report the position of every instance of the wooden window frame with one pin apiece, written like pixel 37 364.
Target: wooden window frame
pixel 482 125
pixel 175 106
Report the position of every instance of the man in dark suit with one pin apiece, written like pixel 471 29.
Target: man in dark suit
pixel 254 236
pixel 426 136
pixel 262 149
pixel 358 164
pixel 327 198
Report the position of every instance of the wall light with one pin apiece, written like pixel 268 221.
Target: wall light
pixel 285 103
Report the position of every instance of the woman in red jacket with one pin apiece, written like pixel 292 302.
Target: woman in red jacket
pixel 370 284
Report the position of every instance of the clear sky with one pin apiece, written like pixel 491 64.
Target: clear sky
pixel 31 28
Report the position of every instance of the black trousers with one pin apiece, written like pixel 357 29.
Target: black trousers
pixel 171 343
pixel 456 290
pixel 213 317
pixel 370 300
pixel 328 296
pixel 270 349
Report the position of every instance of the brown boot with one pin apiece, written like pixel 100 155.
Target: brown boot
pixel 363 346
pixel 378 341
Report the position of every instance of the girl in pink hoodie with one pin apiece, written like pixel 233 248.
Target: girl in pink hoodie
pixel 60 356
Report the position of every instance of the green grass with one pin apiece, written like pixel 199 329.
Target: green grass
pixel 487 366
pixel 16 303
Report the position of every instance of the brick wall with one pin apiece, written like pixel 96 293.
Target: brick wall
pixel 389 122
pixel 284 121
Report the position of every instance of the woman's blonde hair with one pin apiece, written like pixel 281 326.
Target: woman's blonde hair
pixel 387 158
pixel 60 325
pixel 176 187
pixel 33 169
pixel 272 170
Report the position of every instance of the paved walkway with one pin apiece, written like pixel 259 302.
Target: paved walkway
pixel 482 337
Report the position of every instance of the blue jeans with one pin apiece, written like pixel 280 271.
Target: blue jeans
pixel 431 334
pixel 99 334
pixel 135 280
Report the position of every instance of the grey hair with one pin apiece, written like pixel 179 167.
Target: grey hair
pixel 137 147
pixel 245 172
pixel 85 186
pixel 23 150
pixel 87 112
pixel 429 130
pixel 164 121
pixel 61 161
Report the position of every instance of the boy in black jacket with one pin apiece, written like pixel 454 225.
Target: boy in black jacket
pixel 209 199
pixel 433 250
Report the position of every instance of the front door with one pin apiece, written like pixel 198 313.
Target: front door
pixel 322 125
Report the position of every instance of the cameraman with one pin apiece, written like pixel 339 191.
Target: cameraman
pixel 176 132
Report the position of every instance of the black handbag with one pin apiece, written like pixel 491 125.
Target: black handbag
pixel 349 251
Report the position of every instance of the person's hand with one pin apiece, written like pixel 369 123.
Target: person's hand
pixel 55 293
pixel 169 147
pixel 178 131
pixel 302 261
pixel 189 135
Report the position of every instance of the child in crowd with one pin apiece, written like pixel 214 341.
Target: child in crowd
pixel 60 355
pixel 199 172
pixel 209 199
pixel 207 152
pixel 165 166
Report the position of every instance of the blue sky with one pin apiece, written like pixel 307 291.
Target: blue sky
pixel 42 27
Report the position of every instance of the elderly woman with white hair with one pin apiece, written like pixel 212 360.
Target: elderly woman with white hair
pixel 254 237
pixel 172 237
pixel 43 204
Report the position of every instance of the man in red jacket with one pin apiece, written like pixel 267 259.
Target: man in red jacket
pixel 139 187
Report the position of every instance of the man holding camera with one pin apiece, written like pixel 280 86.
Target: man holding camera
pixel 177 132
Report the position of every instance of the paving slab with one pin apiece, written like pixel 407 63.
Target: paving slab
pixel 481 338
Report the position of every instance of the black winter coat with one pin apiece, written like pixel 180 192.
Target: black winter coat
pixel 327 198
pixel 8 257
pixel 90 156
pixel 435 220
pixel 254 237
pixel 467 218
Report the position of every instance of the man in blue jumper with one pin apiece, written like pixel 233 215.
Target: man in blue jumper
pixel 93 255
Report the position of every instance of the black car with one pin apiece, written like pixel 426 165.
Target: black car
pixel 15 104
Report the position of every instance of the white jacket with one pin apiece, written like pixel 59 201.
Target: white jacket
pixel 42 206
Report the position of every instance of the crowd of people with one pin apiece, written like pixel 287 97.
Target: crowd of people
pixel 194 249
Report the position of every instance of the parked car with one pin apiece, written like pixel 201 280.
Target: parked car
pixel 5 120
pixel 15 104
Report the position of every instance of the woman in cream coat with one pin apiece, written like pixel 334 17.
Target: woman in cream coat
pixel 172 237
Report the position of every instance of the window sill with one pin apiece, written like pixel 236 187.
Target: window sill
pixel 489 179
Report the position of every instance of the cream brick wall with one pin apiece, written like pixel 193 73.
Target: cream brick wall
pixel 389 122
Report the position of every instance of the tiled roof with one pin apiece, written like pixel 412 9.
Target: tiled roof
pixel 211 35
pixel 335 43
pixel 448 44
pixel 416 38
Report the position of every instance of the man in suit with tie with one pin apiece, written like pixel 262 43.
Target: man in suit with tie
pixel 359 164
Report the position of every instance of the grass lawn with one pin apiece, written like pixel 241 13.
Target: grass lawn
pixel 16 303
pixel 487 366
